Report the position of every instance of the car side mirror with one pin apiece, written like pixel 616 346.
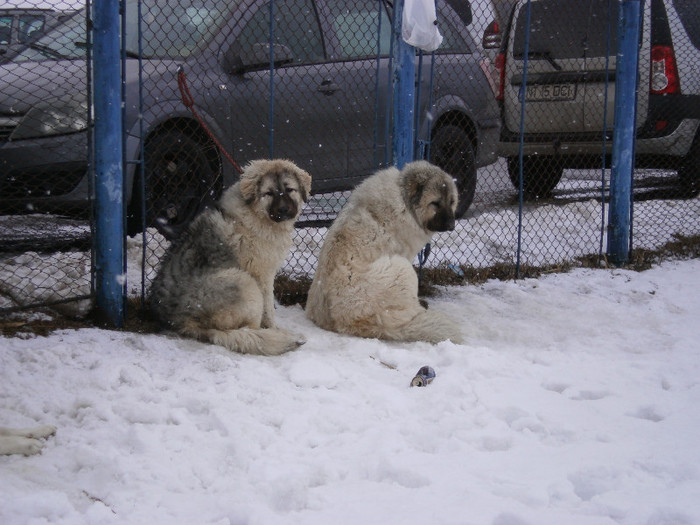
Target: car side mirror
pixel 256 57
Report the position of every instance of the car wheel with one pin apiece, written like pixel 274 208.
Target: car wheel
pixel 180 181
pixel 452 151
pixel 689 172
pixel 540 175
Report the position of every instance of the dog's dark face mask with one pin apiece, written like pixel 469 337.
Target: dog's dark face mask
pixel 443 220
pixel 281 194
pixel 282 207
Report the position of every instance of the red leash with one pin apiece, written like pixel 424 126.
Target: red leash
pixel 188 101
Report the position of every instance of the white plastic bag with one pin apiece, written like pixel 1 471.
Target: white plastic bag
pixel 419 25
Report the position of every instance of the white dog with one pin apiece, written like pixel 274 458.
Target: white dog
pixel 365 284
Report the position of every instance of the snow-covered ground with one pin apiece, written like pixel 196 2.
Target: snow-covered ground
pixel 573 401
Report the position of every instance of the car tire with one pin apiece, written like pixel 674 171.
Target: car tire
pixel 541 174
pixel 689 172
pixel 452 150
pixel 181 180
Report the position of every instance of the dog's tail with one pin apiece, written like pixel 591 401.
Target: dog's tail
pixel 265 341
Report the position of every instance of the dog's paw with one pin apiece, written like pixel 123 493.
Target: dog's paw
pixel 41 432
pixel 30 446
pixel 20 445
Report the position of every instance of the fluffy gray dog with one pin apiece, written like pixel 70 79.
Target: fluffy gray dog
pixel 215 282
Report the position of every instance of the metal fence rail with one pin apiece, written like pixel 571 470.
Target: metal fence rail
pixel 310 80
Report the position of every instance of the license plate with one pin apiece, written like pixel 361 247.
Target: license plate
pixel 551 92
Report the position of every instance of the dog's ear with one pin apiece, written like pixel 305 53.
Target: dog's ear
pixel 415 180
pixel 249 181
pixel 304 180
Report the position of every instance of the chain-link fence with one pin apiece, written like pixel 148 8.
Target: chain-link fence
pixel 45 234
pixel 517 104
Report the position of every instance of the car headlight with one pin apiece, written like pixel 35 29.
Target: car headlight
pixel 53 117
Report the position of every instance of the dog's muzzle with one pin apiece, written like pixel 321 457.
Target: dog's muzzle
pixel 443 221
pixel 282 208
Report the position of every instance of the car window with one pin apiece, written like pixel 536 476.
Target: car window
pixel 5 29
pixel 564 29
pixel 295 26
pixel 452 41
pixel 65 41
pixel 690 18
pixel 174 29
pixel 602 15
pixel 355 25
pixel 30 27
pixel 169 30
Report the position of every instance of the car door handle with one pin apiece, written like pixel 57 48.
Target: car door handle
pixel 328 87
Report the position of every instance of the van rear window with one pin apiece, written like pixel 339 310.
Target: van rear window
pixel 690 18
pixel 568 28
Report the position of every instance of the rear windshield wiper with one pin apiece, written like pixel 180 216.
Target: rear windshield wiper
pixel 544 55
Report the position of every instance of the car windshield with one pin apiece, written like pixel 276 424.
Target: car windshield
pixel 169 30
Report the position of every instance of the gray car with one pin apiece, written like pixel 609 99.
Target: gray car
pixel 570 91
pixel 328 113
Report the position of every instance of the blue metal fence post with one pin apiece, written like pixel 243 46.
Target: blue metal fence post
pixel 403 81
pixel 403 70
pixel 109 185
pixel 622 166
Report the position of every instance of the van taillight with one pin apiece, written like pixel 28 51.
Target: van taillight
pixel 492 36
pixel 500 64
pixel 664 73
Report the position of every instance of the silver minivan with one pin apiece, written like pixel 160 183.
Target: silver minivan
pixel 570 90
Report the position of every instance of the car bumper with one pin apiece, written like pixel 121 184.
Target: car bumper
pixel 45 173
pixel 489 131
pixel 675 144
